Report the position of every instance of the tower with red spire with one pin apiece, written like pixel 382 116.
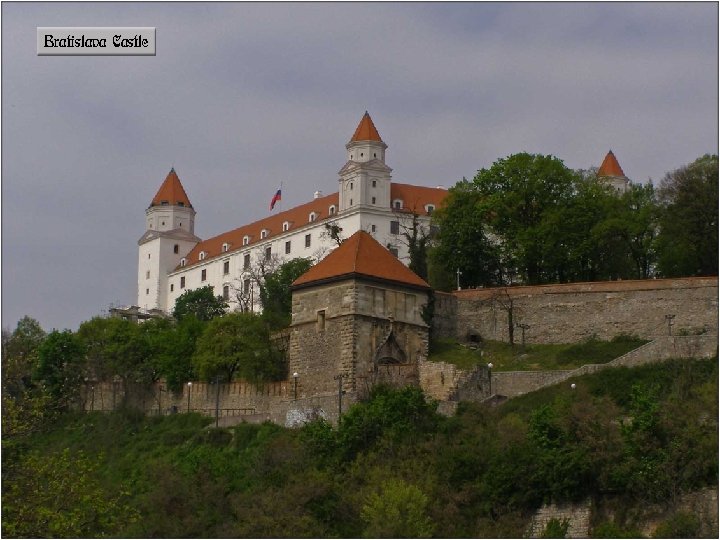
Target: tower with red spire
pixel 169 236
pixel 612 174
pixel 365 179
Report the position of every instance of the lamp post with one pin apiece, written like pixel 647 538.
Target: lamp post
pixel 490 366
pixel 92 399
pixel 189 387
pixel 339 379
pixel 295 378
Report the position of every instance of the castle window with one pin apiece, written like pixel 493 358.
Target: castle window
pixel 147 291
pixel 393 250
pixel 246 286
pixel 373 200
pixel 264 233
pixel 268 253
pixel 164 203
pixel 332 210
pixel 350 202
pixel 183 261
pixel 351 186
pixel 246 240
pixel 182 282
pixel 172 287
pixel 176 248
pixel 394 227
pixel 374 155
pixel 372 228
pixel 225 247
pixel 374 184
pixel 147 274
pixel 148 255
pixel 246 261
pixel 429 208
pixel 226 267
pixel 312 216
pixel 398 204
pixel 226 292
pixel 163 223
pixel 307 240
pixel 286 225
pixel 202 255
pixel 287 247
pixel 321 320
pixel 203 274
pixel 361 154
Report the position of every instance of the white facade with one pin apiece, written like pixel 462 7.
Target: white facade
pixel 174 261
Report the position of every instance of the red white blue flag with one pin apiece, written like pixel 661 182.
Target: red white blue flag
pixel 276 198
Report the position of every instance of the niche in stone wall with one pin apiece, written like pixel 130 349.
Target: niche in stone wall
pixel 389 352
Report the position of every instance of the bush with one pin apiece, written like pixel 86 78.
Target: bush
pixel 680 525
pixel 555 528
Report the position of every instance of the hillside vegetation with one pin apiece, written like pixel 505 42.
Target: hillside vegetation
pixel 393 468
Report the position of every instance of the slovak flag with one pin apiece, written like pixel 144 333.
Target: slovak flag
pixel 276 198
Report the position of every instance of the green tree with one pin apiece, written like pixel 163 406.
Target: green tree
pixel 398 510
pixel 517 193
pixel 60 366
pixel 20 355
pixel 201 303
pixel 417 239
pixel 59 496
pixel 463 242
pixel 237 344
pixel 176 360
pixel 275 293
pixel 688 239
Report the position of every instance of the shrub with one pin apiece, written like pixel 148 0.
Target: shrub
pixel 555 528
pixel 679 525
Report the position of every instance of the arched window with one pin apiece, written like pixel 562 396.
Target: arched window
pixel 264 233
pixel 286 226
pixel 397 204
pixel 429 208
pixel 332 210
pixel 183 261
pixel 246 240
pixel 312 217
pixel 202 255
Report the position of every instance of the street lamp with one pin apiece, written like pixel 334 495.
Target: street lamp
pixel 189 387
pixel 490 366
pixel 573 386
pixel 295 378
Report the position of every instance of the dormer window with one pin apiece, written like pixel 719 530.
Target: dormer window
pixel 397 204
pixel 225 247
pixel 202 255
pixel 183 261
pixel 312 217
pixel 164 203
pixel 332 210
pixel 429 208
pixel 180 203
pixel 246 240
pixel 286 226
pixel 264 233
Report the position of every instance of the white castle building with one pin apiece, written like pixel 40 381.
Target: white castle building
pixel 172 260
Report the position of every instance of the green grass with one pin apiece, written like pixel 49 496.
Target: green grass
pixel 533 357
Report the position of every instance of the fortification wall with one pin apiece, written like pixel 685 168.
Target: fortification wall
pixel 569 313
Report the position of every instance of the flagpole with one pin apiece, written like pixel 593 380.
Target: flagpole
pixel 281 201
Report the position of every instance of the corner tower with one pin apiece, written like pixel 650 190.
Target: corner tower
pixel 612 174
pixel 365 179
pixel 169 236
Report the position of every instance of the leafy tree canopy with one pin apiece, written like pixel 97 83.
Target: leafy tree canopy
pixel 688 240
pixel 20 354
pixel 60 366
pixel 275 291
pixel 237 344
pixel 201 303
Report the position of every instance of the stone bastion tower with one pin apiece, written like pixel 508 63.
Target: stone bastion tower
pixel 357 314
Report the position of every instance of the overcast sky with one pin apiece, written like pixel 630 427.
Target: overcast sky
pixel 243 96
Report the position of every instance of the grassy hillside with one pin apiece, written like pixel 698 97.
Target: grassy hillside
pixel 393 468
pixel 533 357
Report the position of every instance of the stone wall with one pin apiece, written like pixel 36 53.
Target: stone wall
pixel 573 312
pixel 445 317
pixel 577 516
pixel 236 402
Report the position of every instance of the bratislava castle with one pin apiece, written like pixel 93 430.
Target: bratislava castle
pixel 172 260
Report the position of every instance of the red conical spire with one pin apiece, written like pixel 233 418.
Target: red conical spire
pixel 171 192
pixel 610 166
pixel 366 130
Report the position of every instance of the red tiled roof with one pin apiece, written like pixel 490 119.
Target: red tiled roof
pixel 171 192
pixel 413 197
pixel 610 166
pixel 361 255
pixel 366 130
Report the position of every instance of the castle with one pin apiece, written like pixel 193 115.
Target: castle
pixel 172 259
